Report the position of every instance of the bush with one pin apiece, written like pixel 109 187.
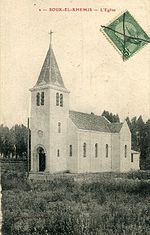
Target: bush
pixel 14 180
pixel 55 182
pixel 102 204
pixel 141 175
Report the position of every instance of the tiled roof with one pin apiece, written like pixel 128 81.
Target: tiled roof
pixel 93 122
pixel 50 73
pixel 115 127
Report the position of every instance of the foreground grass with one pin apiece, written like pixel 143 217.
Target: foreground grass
pixel 87 204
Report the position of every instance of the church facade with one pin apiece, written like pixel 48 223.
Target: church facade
pixel 64 140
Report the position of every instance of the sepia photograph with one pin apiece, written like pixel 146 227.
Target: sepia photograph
pixel 75 117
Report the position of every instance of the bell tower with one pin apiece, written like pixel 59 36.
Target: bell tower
pixel 49 118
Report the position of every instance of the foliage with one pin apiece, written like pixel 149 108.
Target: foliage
pixel 14 180
pixel 107 203
pixel 13 140
pixel 140 132
pixel 111 117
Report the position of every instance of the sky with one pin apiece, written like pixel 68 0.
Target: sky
pixel 92 69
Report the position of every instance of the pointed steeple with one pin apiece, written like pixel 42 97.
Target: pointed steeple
pixel 50 73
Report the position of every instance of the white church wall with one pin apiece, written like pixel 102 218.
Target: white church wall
pixel 57 110
pixel 125 140
pixel 39 128
pixel 72 161
pixel 135 162
pixel 115 150
pixel 90 163
pixel 96 159
pixel 58 141
pixel 106 161
pixel 84 162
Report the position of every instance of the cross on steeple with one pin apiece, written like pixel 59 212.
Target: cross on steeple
pixel 50 73
pixel 50 33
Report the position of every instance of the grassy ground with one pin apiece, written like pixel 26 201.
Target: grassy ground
pixel 86 204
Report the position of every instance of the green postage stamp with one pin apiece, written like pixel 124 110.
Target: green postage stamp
pixel 126 34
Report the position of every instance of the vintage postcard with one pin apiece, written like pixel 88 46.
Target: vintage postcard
pixel 75 117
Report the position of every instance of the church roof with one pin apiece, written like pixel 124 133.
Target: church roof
pixel 93 122
pixel 115 127
pixel 50 73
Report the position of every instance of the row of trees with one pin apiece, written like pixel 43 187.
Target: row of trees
pixel 13 140
pixel 140 132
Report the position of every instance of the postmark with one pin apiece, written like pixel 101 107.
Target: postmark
pixel 126 35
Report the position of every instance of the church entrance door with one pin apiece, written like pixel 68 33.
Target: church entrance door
pixel 42 159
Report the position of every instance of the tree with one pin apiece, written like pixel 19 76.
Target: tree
pixel 21 135
pixel 111 117
pixel 5 147
pixel 128 122
pixel 140 134
pixel 13 140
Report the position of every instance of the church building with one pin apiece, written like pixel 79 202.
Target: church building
pixel 66 140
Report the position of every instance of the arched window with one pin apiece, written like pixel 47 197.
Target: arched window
pixel 59 127
pixel 84 150
pixel 125 151
pixel 38 99
pixel 131 157
pixel 70 150
pixel 61 100
pixel 57 99
pixel 58 153
pixel 106 150
pixel 42 98
pixel 96 150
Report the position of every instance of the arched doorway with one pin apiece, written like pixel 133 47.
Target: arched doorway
pixel 41 159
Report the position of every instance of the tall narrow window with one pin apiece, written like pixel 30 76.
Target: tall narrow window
pixel 125 151
pixel 57 99
pixel 84 150
pixel 70 150
pixel 58 153
pixel 59 127
pixel 96 150
pixel 42 98
pixel 106 150
pixel 61 100
pixel 131 157
pixel 38 99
